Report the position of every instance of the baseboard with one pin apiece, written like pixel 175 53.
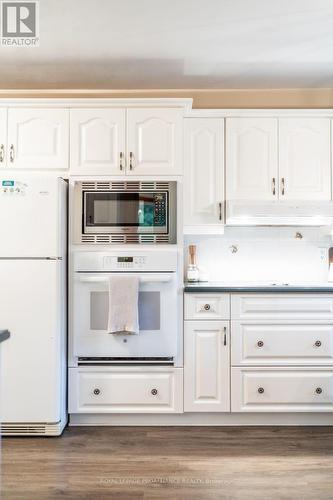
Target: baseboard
pixel 202 419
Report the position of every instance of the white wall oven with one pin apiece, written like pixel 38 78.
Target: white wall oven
pixel 157 341
pixel 125 212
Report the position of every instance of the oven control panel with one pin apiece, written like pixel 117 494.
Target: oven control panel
pixel 125 262
pixel 12 187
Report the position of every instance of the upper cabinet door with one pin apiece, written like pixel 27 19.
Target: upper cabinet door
pixel 304 159
pixel 154 141
pixel 38 139
pixel 251 159
pixel 98 141
pixel 3 136
pixel 204 171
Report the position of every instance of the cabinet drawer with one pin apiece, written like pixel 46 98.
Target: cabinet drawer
pixel 282 306
pixel 207 306
pixel 125 390
pixel 281 389
pixel 281 343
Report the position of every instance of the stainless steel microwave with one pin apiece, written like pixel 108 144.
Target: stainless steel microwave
pixel 125 212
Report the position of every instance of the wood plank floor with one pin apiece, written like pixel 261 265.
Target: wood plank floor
pixel 171 463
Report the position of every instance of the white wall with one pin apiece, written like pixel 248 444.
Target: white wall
pixel 264 254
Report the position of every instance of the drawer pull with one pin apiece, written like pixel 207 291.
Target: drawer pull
pixel 154 392
pixel 319 390
pixel 261 390
pixel 317 343
pixel 260 343
pixel 97 392
pixel 206 307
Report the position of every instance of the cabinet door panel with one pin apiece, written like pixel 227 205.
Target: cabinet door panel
pixel 251 158
pixel 98 141
pixel 3 136
pixel 304 159
pixel 154 141
pixel 204 171
pixel 38 139
pixel 206 366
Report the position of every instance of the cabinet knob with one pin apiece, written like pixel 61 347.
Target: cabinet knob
pixel 317 343
pixel 319 390
pixel 97 392
pixel 260 343
pixel 261 390
pixel 154 392
pixel 206 307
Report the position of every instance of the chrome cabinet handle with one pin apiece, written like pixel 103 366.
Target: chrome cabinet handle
pixel 319 390
pixel 154 392
pixel 283 186
pixel 11 153
pixel 273 186
pixel 261 390
pixel 220 211
pixel 121 155
pixel 260 343
pixel 206 307
pixel 131 156
pixel 2 153
pixel 317 343
pixel 225 335
pixel 97 392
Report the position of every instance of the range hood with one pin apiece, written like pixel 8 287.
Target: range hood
pixel 279 213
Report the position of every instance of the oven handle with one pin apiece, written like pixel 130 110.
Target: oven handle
pixel 157 278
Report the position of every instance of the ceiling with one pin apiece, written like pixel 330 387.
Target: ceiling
pixel 176 44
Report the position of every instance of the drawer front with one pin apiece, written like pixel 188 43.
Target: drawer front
pixel 123 390
pixel 207 306
pixel 282 306
pixel 281 390
pixel 281 344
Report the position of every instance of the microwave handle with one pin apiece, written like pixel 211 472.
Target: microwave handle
pixel 142 279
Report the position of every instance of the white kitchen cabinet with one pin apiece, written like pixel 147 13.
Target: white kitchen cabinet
pixel 125 390
pixel 203 173
pixel 98 141
pixel 263 306
pixel 154 141
pixel 281 389
pixel 251 159
pixel 205 306
pixel 3 137
pixel 304 159
pixel 281 343
pixel 38 139
pixel 206 366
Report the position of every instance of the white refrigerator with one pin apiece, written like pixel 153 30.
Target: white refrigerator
pixel 33 305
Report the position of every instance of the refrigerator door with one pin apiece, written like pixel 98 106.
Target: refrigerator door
pixel 32 217
pixel 31 308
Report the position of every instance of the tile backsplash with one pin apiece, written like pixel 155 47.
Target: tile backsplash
pixel 263 254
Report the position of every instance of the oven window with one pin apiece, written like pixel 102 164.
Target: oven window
pixel 124 209
pixel 149 311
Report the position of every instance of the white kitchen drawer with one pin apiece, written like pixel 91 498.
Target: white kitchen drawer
pixel 207 306
pixel 282 306
pixel 276 343
pixel 125 390
pixel 281 389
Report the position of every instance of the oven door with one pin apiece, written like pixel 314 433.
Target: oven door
pixel 125 211
pixel 158 324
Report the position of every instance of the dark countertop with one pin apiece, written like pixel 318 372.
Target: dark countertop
pixel 228 287
pixel 4 335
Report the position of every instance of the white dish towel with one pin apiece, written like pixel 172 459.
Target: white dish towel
pixel 123 305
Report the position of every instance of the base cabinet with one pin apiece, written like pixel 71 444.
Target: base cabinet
pixel 125 390
pixel 206 366
pixel 280 389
